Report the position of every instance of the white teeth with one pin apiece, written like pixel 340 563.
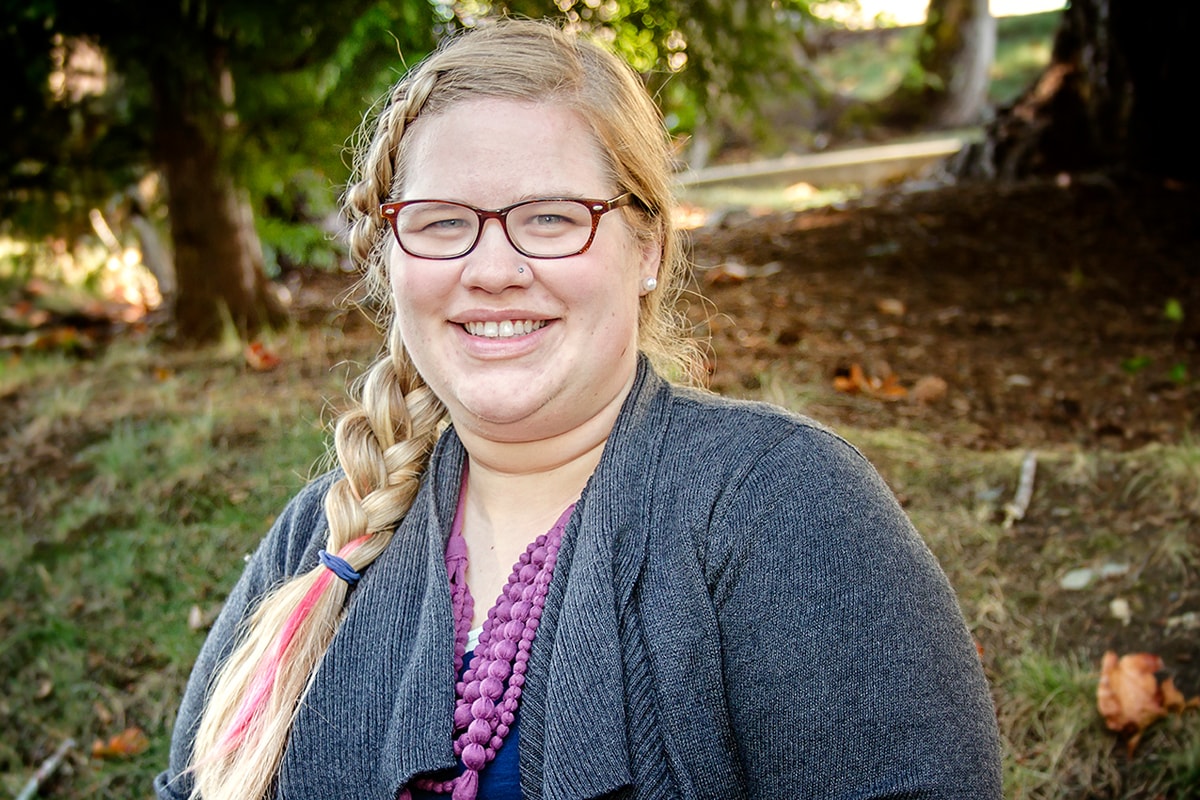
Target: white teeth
pixel 505 329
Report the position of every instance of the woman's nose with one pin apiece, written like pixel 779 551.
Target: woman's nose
pixel 495 265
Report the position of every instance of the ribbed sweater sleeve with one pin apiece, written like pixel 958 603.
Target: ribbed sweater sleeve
pixel 849 671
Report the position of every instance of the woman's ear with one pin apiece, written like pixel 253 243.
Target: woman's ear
pixel 651 251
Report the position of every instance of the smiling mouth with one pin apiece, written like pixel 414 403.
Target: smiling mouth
pixel 505 329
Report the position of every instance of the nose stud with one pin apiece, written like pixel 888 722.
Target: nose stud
pixel 521 270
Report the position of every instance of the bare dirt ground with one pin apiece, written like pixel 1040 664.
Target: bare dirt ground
pixel 1051 312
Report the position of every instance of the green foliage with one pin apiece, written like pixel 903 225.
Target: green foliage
pixel 1173 310
pixel 1181 769
pixel 58 141
pixel 1022 52
pixel 296 126
pixel 1049 726
pixel 296 221
pixel 708 62
pixel 283 85
pixel 872 66
pixel 296 244
pixel 1135 364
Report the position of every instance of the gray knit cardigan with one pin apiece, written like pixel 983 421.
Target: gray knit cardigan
pixel 740 610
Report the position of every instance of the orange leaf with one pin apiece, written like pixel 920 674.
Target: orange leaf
pixel 890 389
pixel 855 381
pixel 852 382
pixel 1130 698
pixel 1173 699
pixel 128 742
pixel 260 358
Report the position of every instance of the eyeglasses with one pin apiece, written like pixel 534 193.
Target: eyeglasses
pixel 548 228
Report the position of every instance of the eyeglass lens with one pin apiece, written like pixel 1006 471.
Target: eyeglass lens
pixel 546 228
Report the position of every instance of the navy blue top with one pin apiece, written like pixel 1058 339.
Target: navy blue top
pixel 500 779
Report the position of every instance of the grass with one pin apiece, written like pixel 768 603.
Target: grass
pixel 133 483
pixel 130 486
pixel 1049 727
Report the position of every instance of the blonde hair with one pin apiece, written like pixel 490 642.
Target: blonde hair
pixel 383 444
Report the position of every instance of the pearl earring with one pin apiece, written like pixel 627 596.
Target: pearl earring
pixel 649 284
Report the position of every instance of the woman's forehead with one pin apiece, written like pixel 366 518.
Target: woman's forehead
pixel 516 148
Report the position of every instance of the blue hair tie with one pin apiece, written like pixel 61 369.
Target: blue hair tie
pixel 339 566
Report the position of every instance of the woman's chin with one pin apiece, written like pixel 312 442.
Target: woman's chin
pixel 510 411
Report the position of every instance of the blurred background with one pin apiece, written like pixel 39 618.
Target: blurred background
pixel 964 234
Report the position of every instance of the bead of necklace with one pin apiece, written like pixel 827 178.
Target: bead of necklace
pixel 489 692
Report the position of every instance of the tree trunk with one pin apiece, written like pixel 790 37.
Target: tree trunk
pixel 1115 95
pixel 218 256
pixel 947 84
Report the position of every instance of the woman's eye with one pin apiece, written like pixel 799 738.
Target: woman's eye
pixel 433 221
pixel 450 223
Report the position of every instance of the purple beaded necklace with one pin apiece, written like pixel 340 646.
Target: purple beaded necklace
pixel 490 689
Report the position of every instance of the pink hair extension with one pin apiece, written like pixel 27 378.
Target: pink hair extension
pixel 264 677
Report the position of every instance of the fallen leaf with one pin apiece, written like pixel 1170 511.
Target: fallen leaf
pixel 1173 699
pixel 890 389
pixel 1130 698
pixel 261 358
pixel 856 381
pixel 128 742
pixel 852 381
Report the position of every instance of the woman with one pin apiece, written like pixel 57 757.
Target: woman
pixel 710 599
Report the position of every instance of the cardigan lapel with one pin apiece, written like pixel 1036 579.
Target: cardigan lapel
pixel 574 725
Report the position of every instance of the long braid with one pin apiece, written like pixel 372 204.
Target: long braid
pixel 383 447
